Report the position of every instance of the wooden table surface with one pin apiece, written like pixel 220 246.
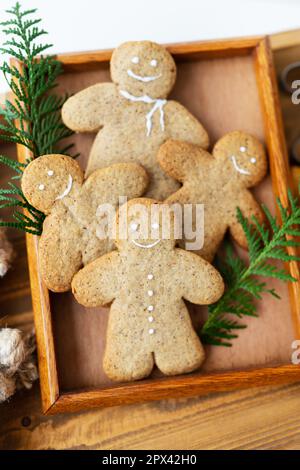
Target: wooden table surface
pixel 261 418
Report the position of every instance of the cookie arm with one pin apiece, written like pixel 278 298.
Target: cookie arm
pixel 201 282
pixel 182 125
pixel 91 108
pixel 120 179
pixel 97 284
pixel 179 159
pixel 249 207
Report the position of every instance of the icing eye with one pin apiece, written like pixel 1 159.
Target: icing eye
pixel 155 225
pixel 243 149
pixel 41 187
pixel 135 60
pixel 134 226
pixel 153 63
pixel 50 172
pixel 253 160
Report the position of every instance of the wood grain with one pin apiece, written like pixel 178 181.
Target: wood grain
pixel 40 303
pixel 91 60
pixel 177 387
pixel 262 418
pixel 279 164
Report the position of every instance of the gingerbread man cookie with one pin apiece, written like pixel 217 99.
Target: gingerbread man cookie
pixel 146 280
pixel 132 114
pixel 71 238
pixel 219 181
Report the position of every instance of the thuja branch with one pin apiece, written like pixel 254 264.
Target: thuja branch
pixel 242 281
pixel 33 117
pixel 37 112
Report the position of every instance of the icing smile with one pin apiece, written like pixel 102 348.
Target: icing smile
pixel 67 190
pixel 238 168
pixel 149 245
pixel 142 79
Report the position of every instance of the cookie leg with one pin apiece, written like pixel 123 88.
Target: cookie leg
pixel 60 251
pixel 179 354
pixel 123 363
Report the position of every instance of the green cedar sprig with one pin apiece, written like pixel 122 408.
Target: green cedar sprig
pixel 243 283
pixel 33 118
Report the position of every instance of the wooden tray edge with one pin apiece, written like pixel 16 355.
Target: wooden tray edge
pixel 52 400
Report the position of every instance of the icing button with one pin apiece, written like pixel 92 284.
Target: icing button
pixel 41 187
pixel 150 319
pixel 150 308
pixel 151 331
pixel 150 276
pixel 150 293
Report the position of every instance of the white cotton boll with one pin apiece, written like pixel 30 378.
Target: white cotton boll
pixel 7 387
pixel 3 268
pixel 26 375
pixel 12 349
pixel 17 361
pixel 6 253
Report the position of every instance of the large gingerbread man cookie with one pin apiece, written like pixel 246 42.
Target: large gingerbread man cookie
pixel 71 236
pixel 132 114
pixel 219 181
pixel 147 280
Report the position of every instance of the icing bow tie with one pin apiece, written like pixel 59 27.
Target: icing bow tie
pixel 158 104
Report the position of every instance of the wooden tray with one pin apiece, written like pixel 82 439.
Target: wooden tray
pixel 227 85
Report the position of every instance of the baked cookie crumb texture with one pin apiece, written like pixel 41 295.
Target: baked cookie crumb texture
pixel 220 181
pixel 54 184
pixel 147 280
pixel 132 115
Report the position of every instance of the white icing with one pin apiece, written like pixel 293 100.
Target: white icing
pixel 50 172
pixel 135 60
pixel 238 168
pixel 140 78
pixel 253 160
pixel 158 104
pixel 133 226
pixel 153 63
pixel 41 187
pixel 150 276
pixel 155 225
pixel 149 245
pixel 150 293
pixel 243 149
pixel 150 308
pixel 67 190
pixel 150 319
pixel 151 331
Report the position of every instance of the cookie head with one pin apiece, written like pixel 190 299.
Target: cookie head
pixel 242 156
pixel 143 68
pixel 145 224
pixel 48 179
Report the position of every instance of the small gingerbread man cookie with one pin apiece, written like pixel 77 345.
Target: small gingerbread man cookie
pixel 54 185
pixel 219 181
pixel 147 280
pixel 132 114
